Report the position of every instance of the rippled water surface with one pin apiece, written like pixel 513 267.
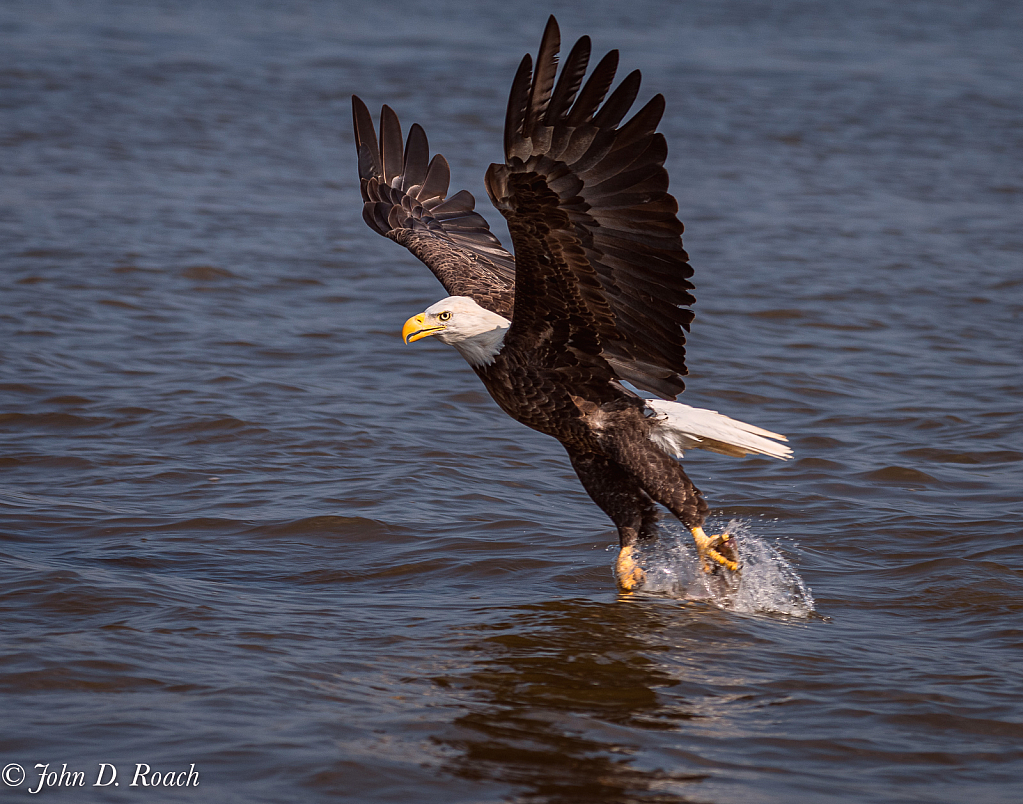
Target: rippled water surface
pixel 242 526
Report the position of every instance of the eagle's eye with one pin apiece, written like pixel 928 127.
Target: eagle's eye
pixel 445 316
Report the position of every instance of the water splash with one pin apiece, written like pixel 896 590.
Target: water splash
pixel 768 582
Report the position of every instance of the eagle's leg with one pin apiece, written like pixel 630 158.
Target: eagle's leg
pixel 664 480
pixel 628 506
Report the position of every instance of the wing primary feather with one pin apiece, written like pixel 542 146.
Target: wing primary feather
pixel 417 156
pixel 390 144
pixel 621 100
pixel 543 77
pixel 462 201
pixel 438 177
pixel 599 148
pixel 515 144
pixel 652 150
pixel 572 72
pixel 643 122
pixel 594 90
pixel 649 178
pixel 365 140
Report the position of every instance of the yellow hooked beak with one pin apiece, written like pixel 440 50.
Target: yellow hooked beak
pixel 416 328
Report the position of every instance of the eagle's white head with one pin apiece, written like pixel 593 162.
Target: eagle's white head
pixel 474 331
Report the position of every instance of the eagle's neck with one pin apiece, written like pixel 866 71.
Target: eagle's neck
pixel 480 349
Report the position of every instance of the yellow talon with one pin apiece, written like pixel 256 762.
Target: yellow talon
pixel 627 572
pixel 707 546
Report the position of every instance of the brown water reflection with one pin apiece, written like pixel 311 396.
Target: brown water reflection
pixel 563 687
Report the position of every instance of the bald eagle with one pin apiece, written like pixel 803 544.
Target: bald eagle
pixel 597 295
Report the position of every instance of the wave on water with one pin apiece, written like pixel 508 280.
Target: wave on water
pixel 21 500
pixel 768 583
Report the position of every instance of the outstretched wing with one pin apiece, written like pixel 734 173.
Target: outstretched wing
pixel 601 275
pixel 405 198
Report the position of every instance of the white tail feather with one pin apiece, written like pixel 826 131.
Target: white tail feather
pixel 679 427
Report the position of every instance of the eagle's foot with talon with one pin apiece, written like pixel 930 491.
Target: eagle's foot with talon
pixel 716 551
pixel 628 573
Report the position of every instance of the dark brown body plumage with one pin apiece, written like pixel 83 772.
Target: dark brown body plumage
pixel 598 291
pixel 607 439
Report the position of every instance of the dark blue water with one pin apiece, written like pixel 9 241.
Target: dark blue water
pixel 243 527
